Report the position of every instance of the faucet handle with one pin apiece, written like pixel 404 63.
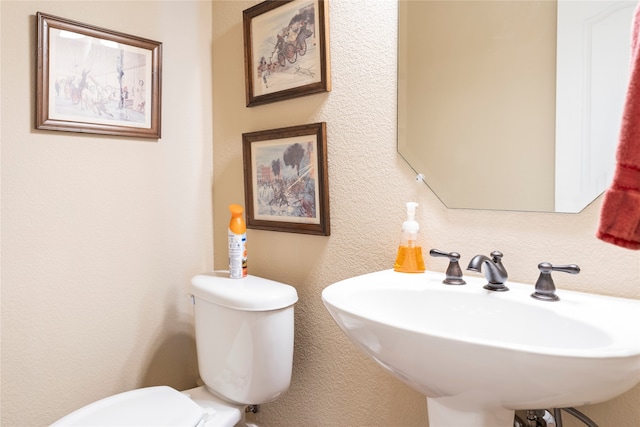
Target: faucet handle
pixel 496 256
pixel 545 288
pixel 454 273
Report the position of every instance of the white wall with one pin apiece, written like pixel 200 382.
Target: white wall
pixel 101 235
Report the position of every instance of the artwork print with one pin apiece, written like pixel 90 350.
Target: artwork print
pixel 285 49
pixel 285 171
pixel 286 45
pixel 97 81
pixel 285 179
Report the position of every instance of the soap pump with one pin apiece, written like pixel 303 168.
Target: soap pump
pixel 409 259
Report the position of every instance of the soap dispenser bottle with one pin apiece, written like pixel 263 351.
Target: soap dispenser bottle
pixel 409 259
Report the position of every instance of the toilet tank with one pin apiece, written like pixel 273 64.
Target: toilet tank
pixel 244 336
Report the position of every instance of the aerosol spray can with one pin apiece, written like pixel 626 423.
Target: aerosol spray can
pixel 237 243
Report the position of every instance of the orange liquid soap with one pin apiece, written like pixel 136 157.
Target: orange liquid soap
pixel 409 260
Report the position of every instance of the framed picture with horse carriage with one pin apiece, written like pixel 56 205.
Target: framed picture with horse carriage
pixel 286 179
pixel 93 80
pixel 286 50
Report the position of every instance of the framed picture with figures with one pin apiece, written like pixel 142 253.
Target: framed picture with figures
pixel 94 80
pixel 286 50
pixel 285 179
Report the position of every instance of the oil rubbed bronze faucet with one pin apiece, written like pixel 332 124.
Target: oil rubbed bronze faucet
pixel 545 287
pixel 454 273
pixel 494 271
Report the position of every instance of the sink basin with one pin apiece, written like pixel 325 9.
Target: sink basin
pixel 480 355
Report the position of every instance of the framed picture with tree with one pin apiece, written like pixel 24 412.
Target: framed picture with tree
pixel 285 179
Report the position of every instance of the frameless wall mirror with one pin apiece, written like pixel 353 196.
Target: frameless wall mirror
pixel 512 105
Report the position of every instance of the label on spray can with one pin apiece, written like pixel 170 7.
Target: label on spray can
pixel 237 255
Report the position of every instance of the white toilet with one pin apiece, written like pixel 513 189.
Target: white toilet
pixel 244 340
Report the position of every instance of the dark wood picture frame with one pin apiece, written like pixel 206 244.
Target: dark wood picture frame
pixel 286 179
pixel 94 80
pixel 286 50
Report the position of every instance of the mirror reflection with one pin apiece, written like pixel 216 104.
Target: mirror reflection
pixel 512 105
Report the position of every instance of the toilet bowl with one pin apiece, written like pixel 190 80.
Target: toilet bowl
pixel 244 341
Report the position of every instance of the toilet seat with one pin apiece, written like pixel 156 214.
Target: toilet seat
pixel 160 406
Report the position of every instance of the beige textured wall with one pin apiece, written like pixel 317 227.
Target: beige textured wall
pixel 101 235
pixel 333 384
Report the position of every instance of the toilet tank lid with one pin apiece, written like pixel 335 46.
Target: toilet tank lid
pixel 150 406
pixel 250 293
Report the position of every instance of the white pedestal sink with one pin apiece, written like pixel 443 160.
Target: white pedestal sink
pixel 480 355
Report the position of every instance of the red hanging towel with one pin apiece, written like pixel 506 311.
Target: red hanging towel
pixel 620 213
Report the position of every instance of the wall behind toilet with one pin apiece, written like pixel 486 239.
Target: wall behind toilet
pixel 100 235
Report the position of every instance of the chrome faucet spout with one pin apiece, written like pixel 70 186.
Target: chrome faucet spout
pixel 494 270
